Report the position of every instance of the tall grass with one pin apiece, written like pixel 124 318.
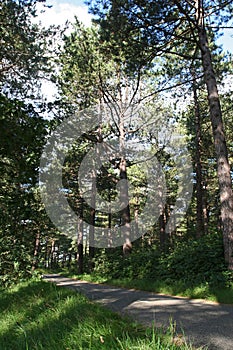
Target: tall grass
pixel 38 315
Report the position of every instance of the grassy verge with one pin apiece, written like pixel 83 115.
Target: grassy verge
pixel 38 315
pixel 177 288
pixel 202 291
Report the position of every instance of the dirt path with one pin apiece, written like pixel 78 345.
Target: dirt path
pixel 203 323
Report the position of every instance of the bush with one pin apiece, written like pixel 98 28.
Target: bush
pixel 15 261
pixel 193 262
pixel 197 261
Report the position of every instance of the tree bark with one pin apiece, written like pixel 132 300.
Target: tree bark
pixel 125 212
pixel 223 167
pixel 110 240
pixel 92 220
pixel 124 190
pixel 200 228
pixel 53 259
pixel 46 254
pixel 80 240
pixel 93 202
pixel 162 231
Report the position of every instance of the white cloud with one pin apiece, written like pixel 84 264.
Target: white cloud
pixel 60 12
pixel 226 40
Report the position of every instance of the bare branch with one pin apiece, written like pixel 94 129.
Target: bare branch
pixel 170 87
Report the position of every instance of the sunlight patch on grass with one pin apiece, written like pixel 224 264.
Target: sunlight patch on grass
pixel 178 288
pixel 38 315
pixel 202 291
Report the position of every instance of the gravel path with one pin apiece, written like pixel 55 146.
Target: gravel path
pixel 203 323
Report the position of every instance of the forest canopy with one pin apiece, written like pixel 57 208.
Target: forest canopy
pixel 148 179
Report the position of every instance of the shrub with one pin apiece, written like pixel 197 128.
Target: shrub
pixel 197 261
pixel 192 261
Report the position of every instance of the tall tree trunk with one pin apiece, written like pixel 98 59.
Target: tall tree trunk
pixel 91 234
pixel 199 184
pixel 52 254
pixel 125 212
pixel 124 190
pixel 69 260
pixel 110 240
pixel 46 256
pixel 223 167
pixel 92 220
pixel 93 198
pixel 205 209
pixel 162 231
pixel 80 240
pixel 136 216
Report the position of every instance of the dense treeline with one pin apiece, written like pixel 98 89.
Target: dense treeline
pixel 102 66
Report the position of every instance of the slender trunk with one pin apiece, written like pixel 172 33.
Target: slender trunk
pixel 125 212
pixel 57 254
pixel 223 167
pixel 162 231
pixel 69 260
pixel 92 234
pixel 92 220
pixel 205 210
pixel 80 258
pixel 80 240
pixel 64 260
pixel 36 251
pixel 110 240
pixel 49 257
pixel 52 253
pixel 199 184
pixel 136 217
pixel 93 201
pixel 124 192
pixel 46 256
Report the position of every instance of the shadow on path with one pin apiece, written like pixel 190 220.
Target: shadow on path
pixel 203 323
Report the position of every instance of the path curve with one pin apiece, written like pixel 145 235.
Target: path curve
pixel 203 323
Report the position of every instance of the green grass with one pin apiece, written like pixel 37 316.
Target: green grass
pixel 202 291
pixel 177 288
pixel 38 315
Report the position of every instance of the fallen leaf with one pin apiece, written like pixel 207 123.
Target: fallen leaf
pixel 101 339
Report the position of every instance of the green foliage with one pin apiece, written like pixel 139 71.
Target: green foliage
pixel 192 262
pixel 38 315
pixel 84 66
pixel 23 47
pixel 196 261
pixel 22 135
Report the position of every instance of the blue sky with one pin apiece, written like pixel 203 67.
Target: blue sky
pixel 227 40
